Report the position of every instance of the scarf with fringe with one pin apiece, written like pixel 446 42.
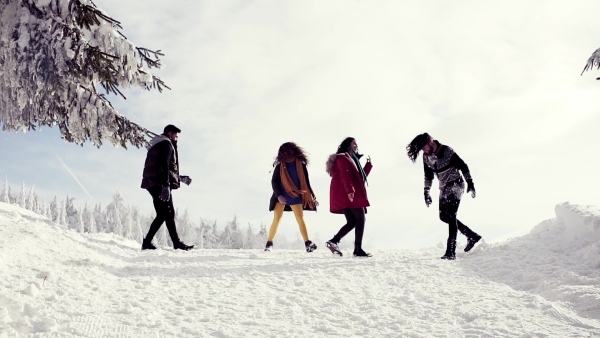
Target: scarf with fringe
pixel 289 186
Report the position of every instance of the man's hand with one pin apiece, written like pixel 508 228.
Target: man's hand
pixel 471 188
pixel 281 199
pixel 165 194
pixel 428 199
pixel 185 179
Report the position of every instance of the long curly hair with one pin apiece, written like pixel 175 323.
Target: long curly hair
pixel 291 150
pixel 415 146
pixel 345 146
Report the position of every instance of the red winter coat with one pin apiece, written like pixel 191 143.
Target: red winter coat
pixel 345 178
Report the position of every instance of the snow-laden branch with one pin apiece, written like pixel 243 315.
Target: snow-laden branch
pixel 53 56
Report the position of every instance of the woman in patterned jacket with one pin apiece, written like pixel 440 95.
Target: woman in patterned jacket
pixel 441 161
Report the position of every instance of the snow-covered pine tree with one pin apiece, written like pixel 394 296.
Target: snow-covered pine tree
pixel 81 227
pixel 54 54
pixel 593 61
pixel 21 197
pixel 71 214
pixel 53 215
pixel 32 201
pixel 5 197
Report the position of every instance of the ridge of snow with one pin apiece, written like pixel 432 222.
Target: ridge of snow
pixel 56 281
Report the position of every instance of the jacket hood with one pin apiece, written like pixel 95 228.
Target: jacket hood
pixel 330 164
pixel 157 140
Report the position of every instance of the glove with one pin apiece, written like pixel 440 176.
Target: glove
pixel 471 188
pixel 428 199
pixel 185 179
pixel 165 194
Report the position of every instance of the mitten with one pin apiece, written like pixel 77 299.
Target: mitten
pixel 428 199
pixel 185 179
pixel 471 188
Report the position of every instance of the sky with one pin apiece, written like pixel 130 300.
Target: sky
pixel 60 283
pixel 497 81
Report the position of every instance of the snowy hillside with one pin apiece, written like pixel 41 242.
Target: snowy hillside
pixel 56 282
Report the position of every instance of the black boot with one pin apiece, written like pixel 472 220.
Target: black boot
pixel 182 246
pixel 310 246
pixel 147 245
pixel 332 245
pixel 359 252
pixel 471 242
pixel 269 246
pixel 450 250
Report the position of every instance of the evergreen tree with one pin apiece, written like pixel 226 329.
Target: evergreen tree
pixel 71 214
pixel 32 201
pixel 5 197
pixel 81 227
pixel 53 55
pixel 54 210
pixel 21 197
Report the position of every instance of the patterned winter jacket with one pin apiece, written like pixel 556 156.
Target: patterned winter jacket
pixel 445 164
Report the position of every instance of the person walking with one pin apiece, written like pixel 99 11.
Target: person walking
pixel 291 191
pixel 441 161
pixel 160 177
pixel 348 194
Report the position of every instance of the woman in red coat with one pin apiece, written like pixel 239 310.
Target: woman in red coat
pixel 348 194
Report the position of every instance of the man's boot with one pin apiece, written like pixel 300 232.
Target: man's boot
pixel 450 249
pixel 147 245
pixel 182 246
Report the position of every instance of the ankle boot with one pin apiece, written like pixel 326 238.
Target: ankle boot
pixel 268 246
pixel 147 245
pixel 359 252
pixel 450 249
pixel 183 246
pixel 310 246
pixel 471 242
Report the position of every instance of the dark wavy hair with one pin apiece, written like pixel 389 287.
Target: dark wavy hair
pixel 415 146
pixel 291 149
pixel 345 146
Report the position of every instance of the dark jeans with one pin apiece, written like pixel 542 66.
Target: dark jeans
pixel 355 219
pixel 165 213
pixel 448 210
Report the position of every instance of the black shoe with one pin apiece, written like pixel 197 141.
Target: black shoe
pixel 310 246
pixel 148 246
pixel 471 243
pixel 334 248
pixel 182 246
pixel 450 250
pixel 269 246
pixel 361 253
pixel 449 257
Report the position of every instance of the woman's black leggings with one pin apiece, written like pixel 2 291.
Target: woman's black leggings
pixel 355 219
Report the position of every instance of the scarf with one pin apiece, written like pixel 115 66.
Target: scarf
pixel 355 157
pixel 289 186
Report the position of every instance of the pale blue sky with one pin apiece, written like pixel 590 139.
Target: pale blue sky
pixel 499 81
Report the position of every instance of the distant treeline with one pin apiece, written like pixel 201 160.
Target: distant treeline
pixel 126 221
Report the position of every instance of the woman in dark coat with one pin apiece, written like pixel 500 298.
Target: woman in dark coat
pixel 291 191
pixel 348 194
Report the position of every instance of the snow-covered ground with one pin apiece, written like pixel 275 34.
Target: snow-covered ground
pixel 58 283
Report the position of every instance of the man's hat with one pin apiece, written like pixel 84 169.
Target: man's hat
pixel 171 127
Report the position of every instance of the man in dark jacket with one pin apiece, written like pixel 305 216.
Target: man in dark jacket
pixel 161 175
pixel 441 161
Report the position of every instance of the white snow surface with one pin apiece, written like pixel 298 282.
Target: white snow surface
pixel 59 283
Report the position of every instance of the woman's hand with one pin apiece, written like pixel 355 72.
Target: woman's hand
pixel 281 199
pixel 351 197
pixel 368 159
